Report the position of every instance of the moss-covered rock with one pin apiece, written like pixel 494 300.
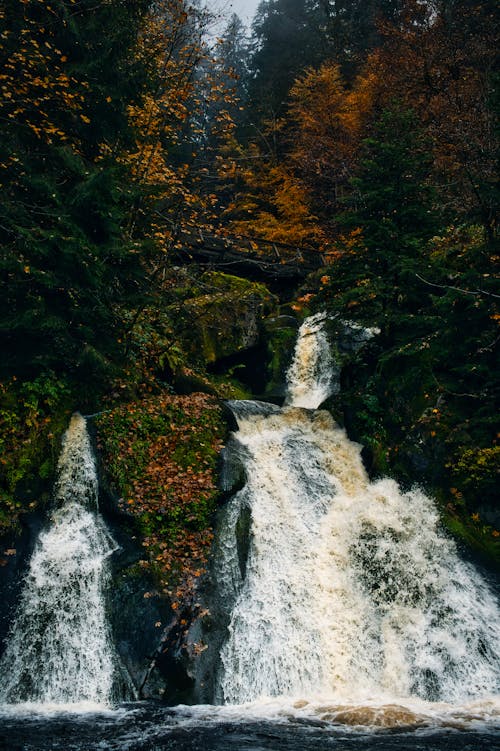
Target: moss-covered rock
pixel 160 455
pixel 225 317
pixel 160 459
pixel 280 335
pixel 33 416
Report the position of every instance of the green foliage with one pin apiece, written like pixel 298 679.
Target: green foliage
pixel 422 397
pixel 66 265
pixel 392 204
pixel 161 455
pixel 33 416
pixel 477 469
pixel 395 202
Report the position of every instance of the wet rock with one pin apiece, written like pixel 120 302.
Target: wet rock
pixel 280 334
pixel 226 316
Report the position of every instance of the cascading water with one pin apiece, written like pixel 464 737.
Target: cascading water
pixel 350 590
pixel 312 374
pixel 59 650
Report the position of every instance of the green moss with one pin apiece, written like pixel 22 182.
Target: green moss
pixel 225 318
pixel 470 530
pixel 235 285
pixel 280 344
pixel 33 416
pixel 161 455
pixel 225 388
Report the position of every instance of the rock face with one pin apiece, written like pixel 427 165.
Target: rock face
pixel 137 621
pixel 226 316
pixel 280 334
pixel 159 458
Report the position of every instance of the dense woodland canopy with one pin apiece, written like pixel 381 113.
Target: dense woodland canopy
pixel 364 131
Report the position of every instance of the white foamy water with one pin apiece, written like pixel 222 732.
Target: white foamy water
pixel 354 604
pixel 59 651
pixel 312 374
pixel 371 714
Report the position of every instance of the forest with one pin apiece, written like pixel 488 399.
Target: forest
pixel 363 134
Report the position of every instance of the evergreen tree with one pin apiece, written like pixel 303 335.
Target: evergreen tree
pixel 352 28
pixel 393 201
pixel 286 39
pixel 66 265
pixel 292 35
pixel 234 54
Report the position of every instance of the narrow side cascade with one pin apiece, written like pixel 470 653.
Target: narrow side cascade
pixel 350 590
pixel 60 650
pixel 312 375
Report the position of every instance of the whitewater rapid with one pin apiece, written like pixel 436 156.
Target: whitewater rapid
pixel 351 590
pixel 60 650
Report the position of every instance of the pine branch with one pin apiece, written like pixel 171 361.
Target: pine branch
pixel 457 289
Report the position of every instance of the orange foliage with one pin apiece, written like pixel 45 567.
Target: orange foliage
pixel 328 121
pixel 443 69
pixel 170 123
pixel 291 199
pixel 36 88
pixel 274 206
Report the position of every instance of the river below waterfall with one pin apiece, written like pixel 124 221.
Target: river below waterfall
pixel 269 726
pixel 348 619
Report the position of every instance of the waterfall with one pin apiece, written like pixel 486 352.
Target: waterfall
pixel 59 649
pixel 312 373
pixel 350 590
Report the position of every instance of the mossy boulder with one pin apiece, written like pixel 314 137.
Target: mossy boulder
pixel 225 316
pixel 159 457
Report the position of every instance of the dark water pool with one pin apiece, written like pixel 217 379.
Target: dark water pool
pixel 148 727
